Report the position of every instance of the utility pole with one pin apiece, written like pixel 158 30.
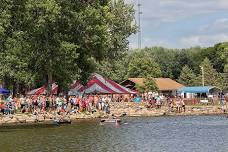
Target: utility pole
pixel 139 25
pixel 202 69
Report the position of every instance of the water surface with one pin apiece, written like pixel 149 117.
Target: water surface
pixel 147 134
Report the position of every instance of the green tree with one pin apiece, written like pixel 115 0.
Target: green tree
pixel 222 53
pixel 148 85
pixel 13 59
pixel 115 63
pixel 188 77
pixel 55 40
pixel 211 76
pixel 70 35
pixel 143 66
pixel 216 54
pixel 113 69
pixel 182 58
pixel 225 78
pixel 4 23
pixel 164 57
pixel 140 88
pixel 171 61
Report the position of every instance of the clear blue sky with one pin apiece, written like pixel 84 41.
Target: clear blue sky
pixel 182 23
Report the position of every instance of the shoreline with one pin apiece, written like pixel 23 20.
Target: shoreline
pixel 50 122
pixel 116 109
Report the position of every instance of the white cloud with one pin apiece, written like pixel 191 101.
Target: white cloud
pixel 172 10
pixel 166 14
pixel 148 41
pixel 219 25
pixel 204 40
pixel 209 34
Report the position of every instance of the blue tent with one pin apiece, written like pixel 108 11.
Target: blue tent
pixel 199 89
pixel 137 99
pixel 4 91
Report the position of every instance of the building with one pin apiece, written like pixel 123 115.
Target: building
pixel 166 86
pixel 200 91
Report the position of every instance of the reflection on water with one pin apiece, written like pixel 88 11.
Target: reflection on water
pixel 172 134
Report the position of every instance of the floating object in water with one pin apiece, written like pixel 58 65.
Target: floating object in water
pixel 59 122
pixel 110 121
pixel 124 114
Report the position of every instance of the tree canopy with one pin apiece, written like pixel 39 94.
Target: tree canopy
pixel 58 40
pixel 211 76
pixel 188 77
pixel 225 78
pixel 142 66
pixel 183 65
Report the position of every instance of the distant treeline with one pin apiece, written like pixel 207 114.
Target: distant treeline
pixel 184 65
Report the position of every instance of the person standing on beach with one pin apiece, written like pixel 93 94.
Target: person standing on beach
pixel 91 103
pixel 158 102
pixel 16 101
pixel 178 104
pixel 76 102
pixel 182 104
pixel 170 104
pixel 96 100
pixel 22 103
pixel 223 102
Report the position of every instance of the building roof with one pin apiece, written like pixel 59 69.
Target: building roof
pixel 198 89
pixel 164 84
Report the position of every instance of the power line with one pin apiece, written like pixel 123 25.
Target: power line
pixel 139 25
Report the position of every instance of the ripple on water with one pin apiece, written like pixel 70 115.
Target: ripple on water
pixel 152 134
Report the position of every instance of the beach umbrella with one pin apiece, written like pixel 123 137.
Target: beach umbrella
pixel 4 91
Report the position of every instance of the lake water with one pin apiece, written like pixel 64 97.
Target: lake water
pixel 158 134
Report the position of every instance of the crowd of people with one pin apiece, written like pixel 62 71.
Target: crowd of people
pixel 77 104
pixel 85 103
pixel 176 104
pixel 72 104
pixel 58 104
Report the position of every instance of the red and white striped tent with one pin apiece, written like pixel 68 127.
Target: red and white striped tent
pixel 100 85
pixel 38 91
pixel 54 88
pixel 43 90
pixel 75 88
